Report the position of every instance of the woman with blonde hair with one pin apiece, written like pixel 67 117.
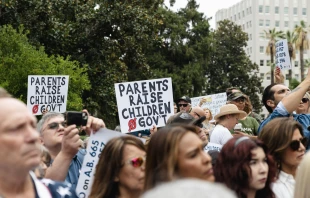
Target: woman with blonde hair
pixel 286 142
pixel 303 178
pixel 120 170
pixel 174 152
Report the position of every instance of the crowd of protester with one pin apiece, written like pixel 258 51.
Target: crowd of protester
pixel 234 153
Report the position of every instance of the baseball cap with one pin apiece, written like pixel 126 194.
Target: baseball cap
pixel 185 98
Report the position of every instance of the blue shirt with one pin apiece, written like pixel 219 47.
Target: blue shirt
pixel 280 111
pixel 75 167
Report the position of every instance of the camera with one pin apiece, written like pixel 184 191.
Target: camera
pixel 77 118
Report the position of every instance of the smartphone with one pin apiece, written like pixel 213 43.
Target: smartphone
pixel 77 118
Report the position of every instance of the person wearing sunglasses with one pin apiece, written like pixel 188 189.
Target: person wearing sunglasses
pixel 251 168
pixel 286 142
pixel 303 106
pixel 63 142
pixel 184 104
pixel 175 152
pixel 121 169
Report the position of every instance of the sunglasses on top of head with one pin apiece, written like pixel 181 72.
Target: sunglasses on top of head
pixel 136 162
pixel 295 144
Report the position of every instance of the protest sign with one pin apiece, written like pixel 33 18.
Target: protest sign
pixel 142 104
pixel 213 102
pixel 282 55
pixel 95 145
pixel 47 93
pixel 213 146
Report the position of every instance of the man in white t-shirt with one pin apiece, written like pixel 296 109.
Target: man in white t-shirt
pixel 226 121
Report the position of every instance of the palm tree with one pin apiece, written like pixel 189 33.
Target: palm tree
pixel 291 38
pixel 272 35
pixel 302 43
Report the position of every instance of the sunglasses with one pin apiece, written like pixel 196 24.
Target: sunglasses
pixel 136 162
pixel 304 100
pixel 240 100
pixel 184 105
pixel 295 144
pixel 55 125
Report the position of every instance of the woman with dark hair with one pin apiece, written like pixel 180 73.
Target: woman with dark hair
pixel 176 151
pixel 245 166
pixel 286 142
pixel 120 170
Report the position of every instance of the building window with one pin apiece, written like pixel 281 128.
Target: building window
pixel 296 63
pixel 268 62
pixel 239 16
pixel 247 25
pixel 261 22
pixel 277 23
pixel 250 10
pixel 276 10
pixel 296 76
pixel 243 13
pixel 247 11
pixel 251 50
pixel 243 27
pixel 268 77
pixel 260 9
pixel 304 11
pixel 295 11
pixel 285 10
pixel 266 9
pixel 261 62
pixel 250 36
pixel 250 23
pixel 262 75
pixel 235 18
pixel 267 22
pixel 261 49
pixel 262 35
pixel 286 24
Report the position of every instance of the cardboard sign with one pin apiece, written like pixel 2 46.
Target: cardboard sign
pixel 142 104
pixel 47 93
pixel 213 102
pixel 282 55
pixel 96 144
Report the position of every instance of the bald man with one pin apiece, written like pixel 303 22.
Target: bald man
pixel 19 154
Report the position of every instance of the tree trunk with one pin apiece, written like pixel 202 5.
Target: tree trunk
pixel 271 63
pixel 302 63
pixel 290 72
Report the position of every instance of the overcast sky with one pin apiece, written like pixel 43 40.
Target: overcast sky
pixel 208 7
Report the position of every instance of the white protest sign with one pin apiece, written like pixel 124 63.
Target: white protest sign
pixel 213 102
pixel 47 93
pixel 142 104
pixel 282 55
pixel 213 146
pixel 95 145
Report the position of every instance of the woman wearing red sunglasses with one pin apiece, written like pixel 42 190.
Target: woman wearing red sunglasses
pixel 175 152
pixel 286 142
pixel 120 170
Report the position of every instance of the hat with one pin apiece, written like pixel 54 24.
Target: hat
pixel 235 95
pixel 183 117
pixel 198 122
pixel 185 98
pixel 230 109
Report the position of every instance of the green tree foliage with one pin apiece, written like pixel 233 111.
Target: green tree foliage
pixel 184 52
pixel 109 39
pixel 230 66
pixel 19 59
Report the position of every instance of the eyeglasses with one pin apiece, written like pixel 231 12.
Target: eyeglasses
pixel 304 100
pixel 295 144
pixel 184 105
pixel 240 100
pixel 55 125
pixel 136 162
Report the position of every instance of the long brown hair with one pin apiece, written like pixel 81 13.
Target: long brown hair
pixel 162 154
pixel 109 166
pixel 277 135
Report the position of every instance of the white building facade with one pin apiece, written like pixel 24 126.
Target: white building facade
pixel 255 16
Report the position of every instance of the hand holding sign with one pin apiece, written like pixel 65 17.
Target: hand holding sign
pixel 279 77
